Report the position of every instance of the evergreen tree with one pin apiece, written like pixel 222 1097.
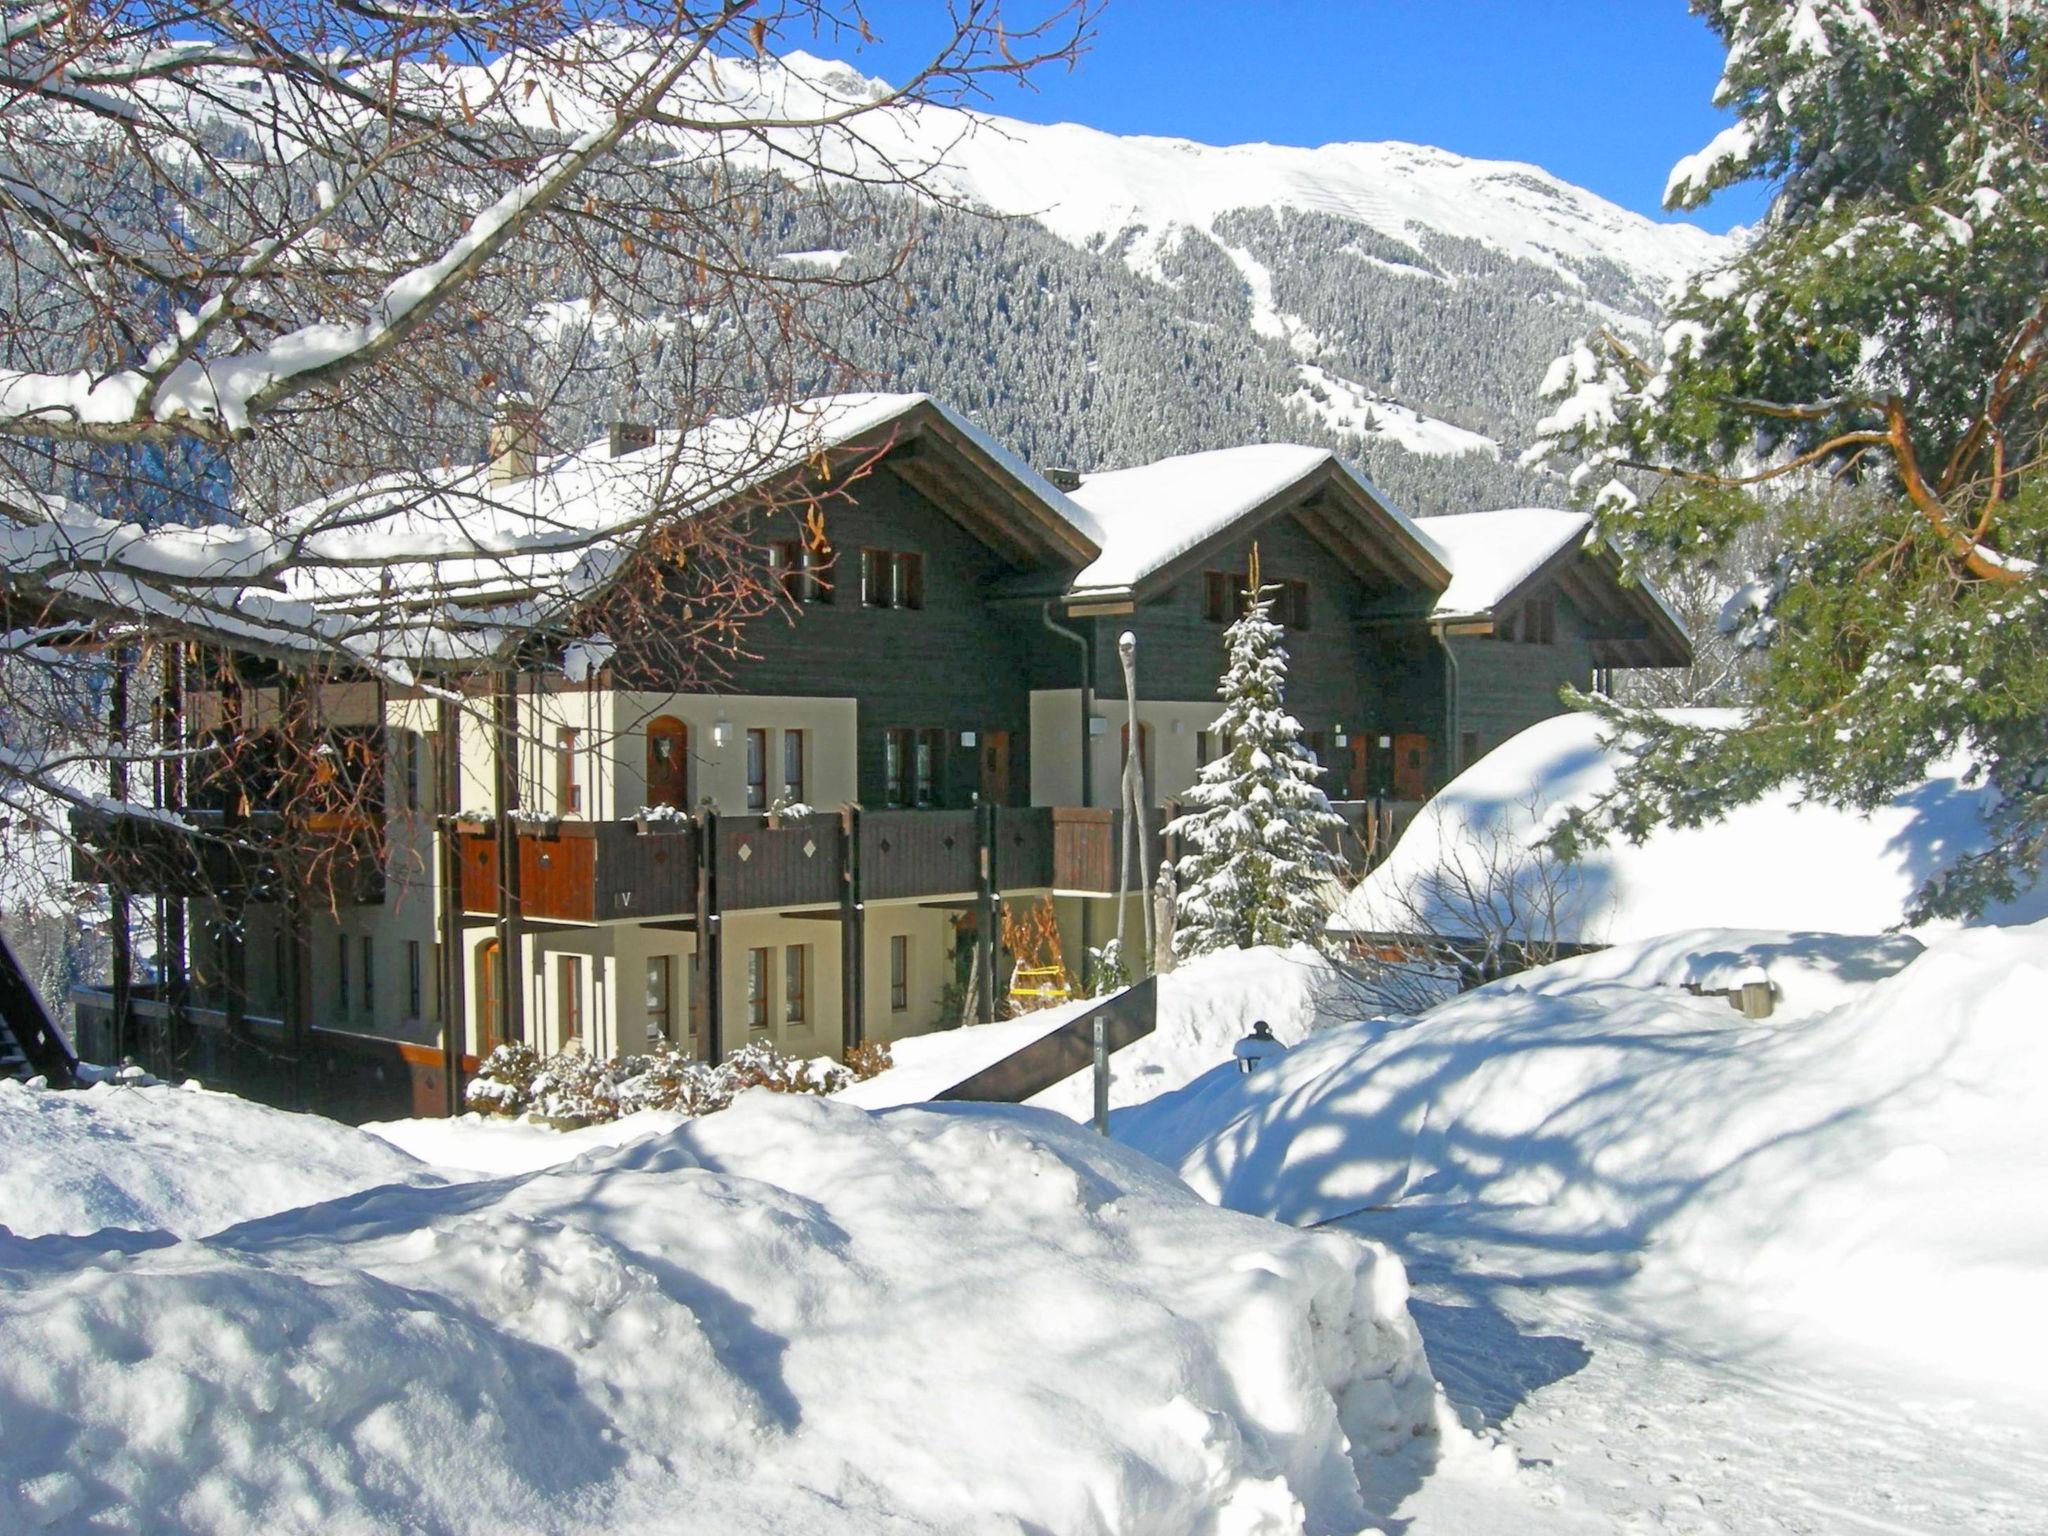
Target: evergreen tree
pixel 1864 382
pixel 1256 869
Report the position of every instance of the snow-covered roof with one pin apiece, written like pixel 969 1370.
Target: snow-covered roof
pixel 1151 515
pixel 463 556
pixel 1492 553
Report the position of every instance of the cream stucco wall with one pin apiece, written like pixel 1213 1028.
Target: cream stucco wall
pixel 1176 727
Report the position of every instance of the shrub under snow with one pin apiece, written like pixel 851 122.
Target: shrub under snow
pixel 795 1316
pixel 576 1089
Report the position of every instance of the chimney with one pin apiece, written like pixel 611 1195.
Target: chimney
pixel 515 438
pixel 1063 479
pixel 630 437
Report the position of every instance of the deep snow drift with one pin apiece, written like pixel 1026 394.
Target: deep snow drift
pixel 178 1160
pixel 1869 1162
pixel 1774 864
pixel 790 1316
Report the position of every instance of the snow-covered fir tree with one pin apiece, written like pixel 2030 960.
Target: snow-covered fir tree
pixel 1256 869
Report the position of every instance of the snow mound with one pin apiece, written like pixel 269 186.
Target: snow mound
pixel 1207 1005
pixel 1776 864
pixel 791 1316
pixel 1871 1165
pixel 179 1160
pixel 487 1146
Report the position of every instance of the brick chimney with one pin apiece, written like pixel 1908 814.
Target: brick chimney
pixel 515 438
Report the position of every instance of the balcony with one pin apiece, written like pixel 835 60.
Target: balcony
pixel 202 854
pixel 587 871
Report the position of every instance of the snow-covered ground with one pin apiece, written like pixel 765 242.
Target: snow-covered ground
pixel 1698 1273
pixel 794 1315
pixel 1778 863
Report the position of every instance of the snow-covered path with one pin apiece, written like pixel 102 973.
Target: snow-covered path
pixel 1625 1423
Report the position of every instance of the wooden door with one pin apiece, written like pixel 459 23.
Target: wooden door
pixel 995 767
pixel 1411 767
pixel 487 1037
pixel 668 762
pixel 1355 776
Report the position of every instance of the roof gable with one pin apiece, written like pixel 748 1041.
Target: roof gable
pixel 1160 521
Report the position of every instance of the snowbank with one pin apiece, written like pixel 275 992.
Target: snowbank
pixel 180 1160
pixel 493 1147
pixel 1775 864
pixel 1871 1161
pixel 791 1316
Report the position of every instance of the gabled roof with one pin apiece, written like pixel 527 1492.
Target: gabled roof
pixel 1499 559
pixel 1161 520
pixel 450 565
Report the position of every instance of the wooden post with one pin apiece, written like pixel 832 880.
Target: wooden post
pixel 985 914
pixel 710 944
pixel 511 928
pixel 300 943
pixel 853 937
pixel 448 864
pixel 120 912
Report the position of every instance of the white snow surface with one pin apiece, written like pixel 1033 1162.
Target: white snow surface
pixel 1492 553
pixel 1149 514
pixel 179 1160
pixel 1088 186
pixel 791 1316
pixel 1778 863
pixel 1868 1165
pixel 493 1146
pixel 1344 406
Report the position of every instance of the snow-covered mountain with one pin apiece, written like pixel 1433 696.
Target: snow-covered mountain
pixel 1151 295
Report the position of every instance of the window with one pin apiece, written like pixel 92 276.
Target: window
pixel 1292 607
pixel 757 989
pixel 413 979
pixel 1216 596
pixel 1539 621
pixel 793 766
pixel 796 965
pixel 877 578
pixel 757 770
pixel 410 746
pixel 369 969
pixel 1209 746
pixel 341 993
pixel 804 572
pixel 929 745
pixel 896 755
pixel 570 975
pixel 891 579
pixel 440 982
pixel 691 1002
pixel 660 1000
pixel 570 786
pixel 899 973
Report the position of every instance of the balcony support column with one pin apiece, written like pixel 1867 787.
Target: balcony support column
pixel 710 945
pixel 985 914
pixel 448 868
pixel 120 912
pixel 510 922
pixel 853 937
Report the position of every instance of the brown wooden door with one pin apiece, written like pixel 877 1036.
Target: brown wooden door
pixel 1355 779
pixel 1411 767
pixel 487 1039
pixel 668 762
pixel 995 767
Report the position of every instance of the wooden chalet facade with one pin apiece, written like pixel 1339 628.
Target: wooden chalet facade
pixel 811 853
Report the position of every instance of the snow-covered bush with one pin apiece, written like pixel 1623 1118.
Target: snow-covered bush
pixel 576 1089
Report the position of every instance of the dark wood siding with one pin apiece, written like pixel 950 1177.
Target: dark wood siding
pixel 1506 686
pixel 960 663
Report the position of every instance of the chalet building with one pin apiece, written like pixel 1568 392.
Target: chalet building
pixel 810 851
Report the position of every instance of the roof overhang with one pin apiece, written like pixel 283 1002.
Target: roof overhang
pixel 1636 626
pixel 1339 510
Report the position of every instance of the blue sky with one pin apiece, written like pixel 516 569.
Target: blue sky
pixel 1605 93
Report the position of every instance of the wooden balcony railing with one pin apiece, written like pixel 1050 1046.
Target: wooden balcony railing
pixel 587 871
